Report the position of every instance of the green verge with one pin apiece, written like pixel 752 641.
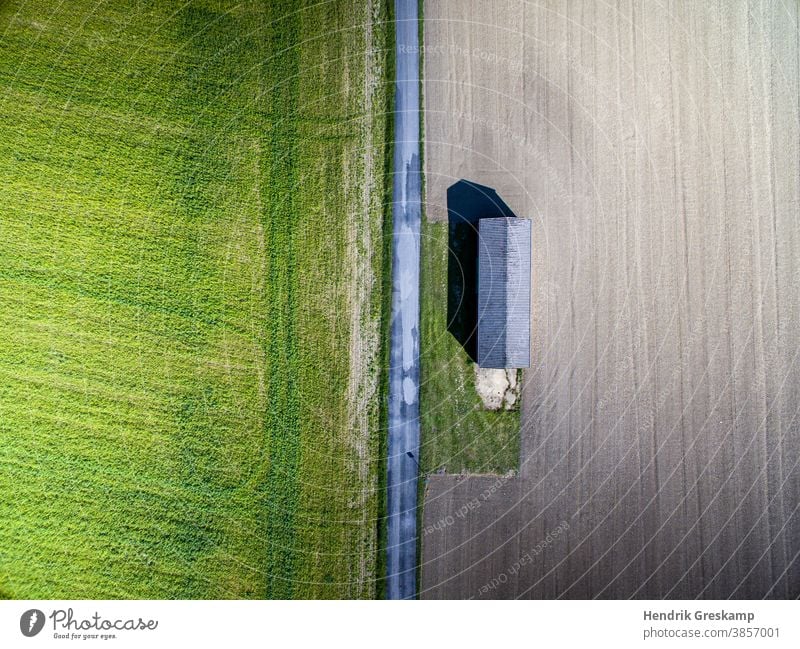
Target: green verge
pixel 458 433
pixel 385 272
pixel 184 208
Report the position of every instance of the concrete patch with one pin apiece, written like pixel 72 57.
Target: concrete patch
pixel 497 388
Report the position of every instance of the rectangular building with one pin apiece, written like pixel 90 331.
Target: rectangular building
pixel 504 293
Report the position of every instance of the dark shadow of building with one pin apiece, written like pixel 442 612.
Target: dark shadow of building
pixel 467 203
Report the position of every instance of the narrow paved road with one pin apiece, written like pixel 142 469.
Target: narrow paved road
pixel 404 361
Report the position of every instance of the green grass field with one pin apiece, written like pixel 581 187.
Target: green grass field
pixel 192 242
pixel 458 433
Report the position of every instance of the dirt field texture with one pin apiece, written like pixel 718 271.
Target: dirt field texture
pixel 192 245
pixel 655 146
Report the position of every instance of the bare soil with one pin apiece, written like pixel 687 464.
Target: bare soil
pixel 655 148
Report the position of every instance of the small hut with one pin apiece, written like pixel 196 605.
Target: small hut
pixel 504 293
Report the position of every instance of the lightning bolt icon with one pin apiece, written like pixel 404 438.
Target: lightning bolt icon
pixel 32 621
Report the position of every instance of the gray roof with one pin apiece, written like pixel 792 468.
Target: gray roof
pixel 504 293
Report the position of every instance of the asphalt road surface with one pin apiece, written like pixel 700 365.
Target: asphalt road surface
pixel 656 147
pixel 404 359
